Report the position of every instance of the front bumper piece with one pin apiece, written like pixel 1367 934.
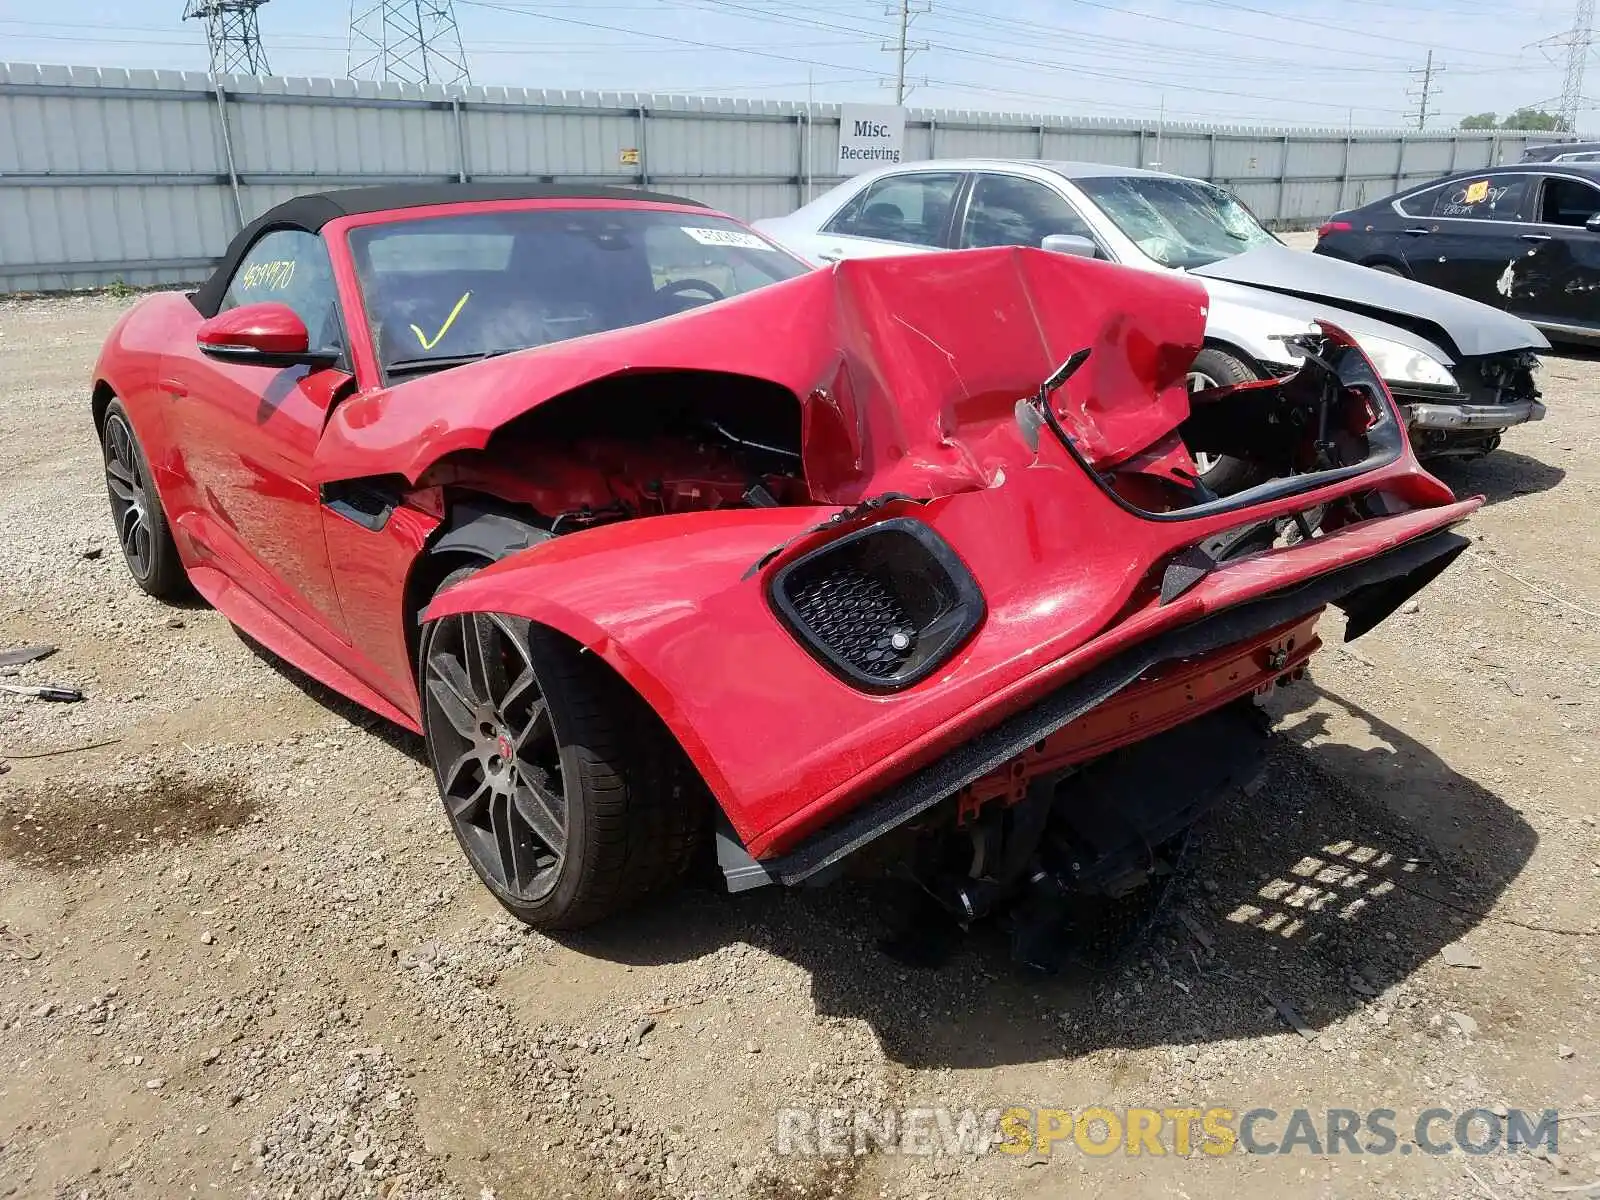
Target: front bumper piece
pixel 1452 418
pixel 1368 590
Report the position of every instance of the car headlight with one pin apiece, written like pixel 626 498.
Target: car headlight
pixel 1402 364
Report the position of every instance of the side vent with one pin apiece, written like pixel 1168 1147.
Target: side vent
pixel 881 607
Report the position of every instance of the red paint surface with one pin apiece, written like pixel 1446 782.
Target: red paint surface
pixel 906 370
pixel 1165 697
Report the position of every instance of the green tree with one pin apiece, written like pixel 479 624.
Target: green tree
pixel 1483 120
pixel 1535 118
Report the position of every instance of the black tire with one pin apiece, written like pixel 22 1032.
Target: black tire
pixel 1218 368
pixel 533 737
pixel 1387 269
pixel 137 517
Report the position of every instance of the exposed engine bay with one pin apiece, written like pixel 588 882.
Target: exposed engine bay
pixel 642 446
pixel 639 447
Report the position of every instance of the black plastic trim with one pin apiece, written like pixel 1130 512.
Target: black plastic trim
pixel 362 502
pixel 923 789
pixel 488 533
pixel 969 608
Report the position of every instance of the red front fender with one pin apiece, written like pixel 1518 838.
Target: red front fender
pixel 784 744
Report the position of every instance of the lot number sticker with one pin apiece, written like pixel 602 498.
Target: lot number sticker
pixel 726 237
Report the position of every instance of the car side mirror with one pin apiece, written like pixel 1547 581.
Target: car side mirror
pixel 1070 243
pixel 1593 224
pixel 268 334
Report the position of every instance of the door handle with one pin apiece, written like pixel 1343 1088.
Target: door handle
pixel 173 388
pixel 1536 237
pixel 1418 230
pixel 830 255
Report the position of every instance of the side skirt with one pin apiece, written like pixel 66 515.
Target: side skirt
pixel 249 615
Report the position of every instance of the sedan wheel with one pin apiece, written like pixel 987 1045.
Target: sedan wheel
pixel 495 754
pixel 1222 473
pixel 1199 381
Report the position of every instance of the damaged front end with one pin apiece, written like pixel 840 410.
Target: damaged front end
pixel 935 616
pixel 1495 392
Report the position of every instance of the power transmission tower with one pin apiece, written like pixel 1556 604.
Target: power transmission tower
pixel 1428 74
pixel 232 35
pixel 413 41
pixel 1576 41
pixel 904 10
pixel 1582 36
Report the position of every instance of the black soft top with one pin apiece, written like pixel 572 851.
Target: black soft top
pixel 311 212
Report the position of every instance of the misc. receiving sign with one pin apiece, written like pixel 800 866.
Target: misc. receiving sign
pixel 870 135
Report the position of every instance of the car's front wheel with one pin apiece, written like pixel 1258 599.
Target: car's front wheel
pixel 569 797
pixel 1222 473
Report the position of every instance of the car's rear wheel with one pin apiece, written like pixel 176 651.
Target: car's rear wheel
pixel 1222 473
pixel 136 513
pixel 569 798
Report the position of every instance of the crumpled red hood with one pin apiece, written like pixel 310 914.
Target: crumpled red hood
pixel 907 370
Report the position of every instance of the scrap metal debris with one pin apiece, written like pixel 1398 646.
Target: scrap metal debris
pixel 14 943
pixel 1198 930
pixel 18 655
pixel 1291 1017
pixel 47 691
pixel 1459 954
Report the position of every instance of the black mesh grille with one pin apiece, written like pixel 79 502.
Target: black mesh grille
pixel 882 606
pixel 858 618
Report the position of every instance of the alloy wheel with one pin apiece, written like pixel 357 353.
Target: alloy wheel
pixel 125 482
pixel 495 752
pixel 1199 381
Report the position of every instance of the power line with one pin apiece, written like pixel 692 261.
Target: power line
pixel 1362 33
pixel 1009 57
pixel 1427 73
pixel 980 17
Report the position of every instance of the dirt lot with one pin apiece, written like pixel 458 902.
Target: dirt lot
pixel 241 954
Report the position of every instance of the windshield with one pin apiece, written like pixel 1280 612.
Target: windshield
pixel 1177 222
pixel 439 290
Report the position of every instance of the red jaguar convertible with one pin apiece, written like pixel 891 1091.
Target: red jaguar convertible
pixel 664 541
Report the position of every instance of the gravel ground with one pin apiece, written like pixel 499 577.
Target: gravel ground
pixel 240 954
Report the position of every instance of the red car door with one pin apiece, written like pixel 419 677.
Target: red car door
pixel 249 434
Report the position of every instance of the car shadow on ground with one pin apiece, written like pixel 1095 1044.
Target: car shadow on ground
pixel 1576 351
pixel 1355 864
pixel 319 693
pixel 1502 475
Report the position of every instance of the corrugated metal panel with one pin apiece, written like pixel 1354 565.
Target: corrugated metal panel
pixel 131 174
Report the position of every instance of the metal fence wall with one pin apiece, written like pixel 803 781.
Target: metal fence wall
pixel 143 176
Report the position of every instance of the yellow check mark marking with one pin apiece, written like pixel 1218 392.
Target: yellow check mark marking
pixel 445 328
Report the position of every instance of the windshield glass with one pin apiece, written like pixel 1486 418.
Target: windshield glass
pixel 1177 222
pixel 449 288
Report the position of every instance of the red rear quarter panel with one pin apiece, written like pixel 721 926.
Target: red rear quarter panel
pixel 130 364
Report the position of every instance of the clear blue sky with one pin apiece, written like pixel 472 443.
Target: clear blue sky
pixel 1231 60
